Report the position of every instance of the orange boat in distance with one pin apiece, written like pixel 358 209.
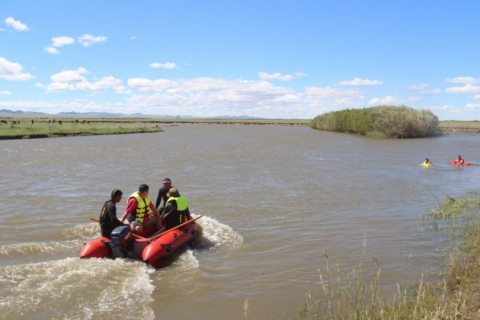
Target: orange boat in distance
pixel 458 163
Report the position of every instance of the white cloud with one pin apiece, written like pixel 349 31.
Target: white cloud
pixel 5 92
pixel 30 106
pixel 15 24
pixel 58 42
pixel 444 108
pixel 51 50
pixel 337 97
pixel 62 41
pixel 166 65
pixel 70 76
pixel 109 82
pixel 473 105
pixel 75 80
pixel 87 40
pixel 360 82
pixel 464 80
pixel 53 108
pixel 12 70
pixel 279 76
pixel 146 85
pixel 425 89
pixel 388 100
pixel 423 86
pixel 467 88
pixel 213 96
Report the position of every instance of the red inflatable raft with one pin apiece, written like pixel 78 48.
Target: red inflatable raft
pixel 154 251
pixel 457 163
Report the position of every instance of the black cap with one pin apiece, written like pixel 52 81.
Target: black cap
pixel 166 179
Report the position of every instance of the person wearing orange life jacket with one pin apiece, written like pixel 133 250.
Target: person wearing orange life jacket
pixel 141 213
pixel 175 211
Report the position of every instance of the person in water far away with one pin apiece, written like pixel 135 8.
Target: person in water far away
pixel 142 215
pixel 459 161
pixel 108 216
pixel 427 163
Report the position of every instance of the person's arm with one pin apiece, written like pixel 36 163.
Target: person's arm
pixel 153 208
pixel 131 206
pixel 159 198
pixel 188 214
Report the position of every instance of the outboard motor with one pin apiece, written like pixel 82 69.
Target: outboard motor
pixel 120 241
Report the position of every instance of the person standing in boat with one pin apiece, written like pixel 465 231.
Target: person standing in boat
pixel 108 216
pixel 141 213
pixel 162 192
pixel 175 211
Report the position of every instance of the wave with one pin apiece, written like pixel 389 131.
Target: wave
pixel 216 234
pixel 77 289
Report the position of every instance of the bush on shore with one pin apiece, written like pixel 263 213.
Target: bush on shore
pixel 382 121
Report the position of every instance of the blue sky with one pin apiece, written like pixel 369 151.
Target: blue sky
pixel 273 59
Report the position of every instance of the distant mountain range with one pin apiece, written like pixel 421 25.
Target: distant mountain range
pixel 74 114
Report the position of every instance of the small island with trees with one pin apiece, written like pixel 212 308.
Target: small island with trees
pixel 381 122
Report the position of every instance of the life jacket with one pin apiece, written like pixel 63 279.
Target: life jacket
pixel 182 206
pixel 143 207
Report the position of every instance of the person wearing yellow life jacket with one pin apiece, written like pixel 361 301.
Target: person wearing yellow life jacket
pixel 175 211
pixel 427 163
pixel 141 213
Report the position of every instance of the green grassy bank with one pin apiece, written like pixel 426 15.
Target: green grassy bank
pixel 40 127
pixel 455 295
pixel 22 128
pixel 460 126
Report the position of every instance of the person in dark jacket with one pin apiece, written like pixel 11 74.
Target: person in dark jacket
pixel 108 216
pixel 162 192
pixel 175 211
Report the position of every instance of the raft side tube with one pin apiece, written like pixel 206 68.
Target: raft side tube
pixel 160 249
pixel 97 248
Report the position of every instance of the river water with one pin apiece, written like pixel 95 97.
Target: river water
pixel 275 201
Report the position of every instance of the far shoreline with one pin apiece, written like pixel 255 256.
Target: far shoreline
pixel 44 127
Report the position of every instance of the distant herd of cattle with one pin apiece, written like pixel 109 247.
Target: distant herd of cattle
pixel 13 122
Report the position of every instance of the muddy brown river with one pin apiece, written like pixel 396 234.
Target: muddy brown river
pixel 275 201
